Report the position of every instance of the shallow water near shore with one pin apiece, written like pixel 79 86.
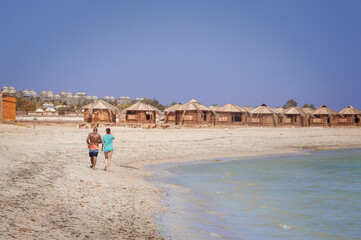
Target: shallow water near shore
pixel 315 195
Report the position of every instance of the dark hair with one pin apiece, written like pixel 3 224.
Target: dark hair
pixel 95 129
pixel 108 130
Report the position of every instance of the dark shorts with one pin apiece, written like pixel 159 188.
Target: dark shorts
pixel 93 152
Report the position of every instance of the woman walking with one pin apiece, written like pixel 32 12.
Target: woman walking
pixel 108 148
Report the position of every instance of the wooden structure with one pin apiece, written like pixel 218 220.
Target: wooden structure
pixel 230 114
pixel 324 117
pixel 295 117
pixel 194 113
pixel 100 111
pixel 264 116
pixel 141 113
pixel 170 114
pixel 7 107
pixel 350 117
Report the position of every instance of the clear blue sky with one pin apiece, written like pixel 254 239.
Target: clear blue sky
pixel 242 52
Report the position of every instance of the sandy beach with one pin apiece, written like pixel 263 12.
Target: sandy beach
pixel 48 191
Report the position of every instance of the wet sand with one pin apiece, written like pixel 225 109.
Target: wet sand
pixel 48 191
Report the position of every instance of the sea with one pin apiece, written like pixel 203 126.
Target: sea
pixel 310 195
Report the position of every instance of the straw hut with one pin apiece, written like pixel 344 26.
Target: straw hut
pixel 295 116
pixel 278 109
pixel 230 114
pixel 170 114
pixel 351 116
pixel 194 113
pixel 264 116
pixel 324 116
pixel 7 107
pixel 141 113
pixel 100 111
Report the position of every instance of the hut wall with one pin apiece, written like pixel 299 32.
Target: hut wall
pixel 228 118
pixel 8 107
pixel 349 120
pixel 294 120
pixel 324 121
pixel 170 118
pixel 194 118
pixel 140 117
pixel 99 115
pixel 266 120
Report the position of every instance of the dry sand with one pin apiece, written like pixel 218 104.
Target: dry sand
pixel 48 191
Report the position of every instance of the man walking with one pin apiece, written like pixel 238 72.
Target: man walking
pixel 93 140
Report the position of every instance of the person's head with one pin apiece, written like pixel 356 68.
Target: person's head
pixel 108 130
pixel 95 130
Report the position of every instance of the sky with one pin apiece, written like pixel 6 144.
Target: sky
pixel 217 52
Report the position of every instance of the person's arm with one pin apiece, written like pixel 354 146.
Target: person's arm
pixel 87 139
pixel 101 140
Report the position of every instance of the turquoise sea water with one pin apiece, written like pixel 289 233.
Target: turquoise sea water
pixel 315 195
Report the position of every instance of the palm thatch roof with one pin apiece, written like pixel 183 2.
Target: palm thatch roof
pixel 173 108
pixel 324 110
pixel 139 106
pixel 263 109
pixel 294 111
pixel 193 105
pixel 307 110
pixel 349 110
pixel 279 109
pixel 232 108
pixel 102 105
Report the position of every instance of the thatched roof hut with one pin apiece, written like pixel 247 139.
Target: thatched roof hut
pixel 230 114
pixel 295 116
pixel 194 113
pixel 264 116
pixel 141 113
pixel 324 116
pixel 100 111
pixel 351 116
pixel 170 113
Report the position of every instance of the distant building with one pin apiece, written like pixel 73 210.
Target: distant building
pixel 68 97
pixel 7 107
pixel 124 100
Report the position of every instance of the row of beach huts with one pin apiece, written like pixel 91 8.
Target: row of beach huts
pixel 195 113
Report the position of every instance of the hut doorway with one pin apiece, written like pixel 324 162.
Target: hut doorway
pixel 237 117
pixel 147 116
pixel 357 119
pixel 204 116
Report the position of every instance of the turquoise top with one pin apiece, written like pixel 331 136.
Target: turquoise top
pixel 108 142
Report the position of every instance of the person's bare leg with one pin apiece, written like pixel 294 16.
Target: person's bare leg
pixel 94 161
pixel 106 160
pixel 109 158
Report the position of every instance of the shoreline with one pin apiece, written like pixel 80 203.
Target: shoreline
pixel 46 170
pixel 179 221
